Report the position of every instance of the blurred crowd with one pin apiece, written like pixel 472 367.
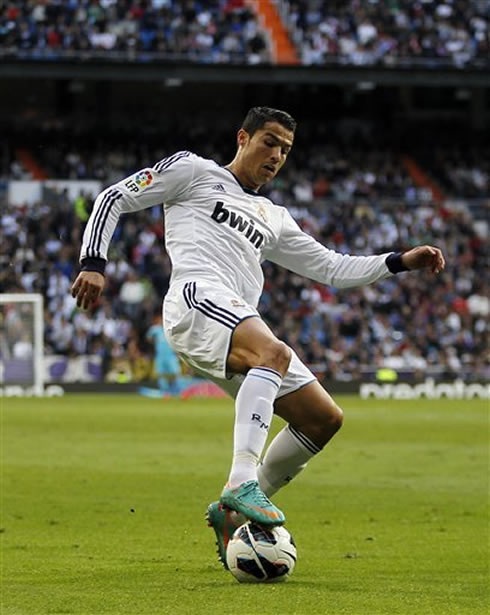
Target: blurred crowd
pixel 411 322
pixel 359 32
pixel 360 203
pixel 326 165
pixel 214 31
pixel 364 32
pixel 463 171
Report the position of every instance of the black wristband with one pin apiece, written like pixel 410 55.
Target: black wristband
pixel 394 262
pixel 93 264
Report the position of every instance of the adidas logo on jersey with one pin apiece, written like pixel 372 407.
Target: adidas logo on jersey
pixel 247 227
pixel 219 188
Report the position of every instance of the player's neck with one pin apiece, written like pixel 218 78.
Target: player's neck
pixel 240 176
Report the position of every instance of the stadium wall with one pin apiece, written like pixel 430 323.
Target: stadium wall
pixel 428 389
pixel 28 192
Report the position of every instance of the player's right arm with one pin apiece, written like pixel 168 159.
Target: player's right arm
pixel 166 181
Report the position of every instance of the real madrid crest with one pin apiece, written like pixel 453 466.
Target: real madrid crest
pixel 262 212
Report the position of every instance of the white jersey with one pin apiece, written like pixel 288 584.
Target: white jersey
pixel 218 231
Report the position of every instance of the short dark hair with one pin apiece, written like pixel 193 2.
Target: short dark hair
pixel 258 116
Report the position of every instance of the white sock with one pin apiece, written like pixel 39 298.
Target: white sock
pixel 253 415
pixel 286 456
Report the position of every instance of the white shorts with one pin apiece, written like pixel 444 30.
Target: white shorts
pixel 199 319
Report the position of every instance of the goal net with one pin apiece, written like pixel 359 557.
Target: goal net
pixel 21 344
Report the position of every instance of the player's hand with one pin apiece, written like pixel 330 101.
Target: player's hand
pixel 424 257
pixel 87 288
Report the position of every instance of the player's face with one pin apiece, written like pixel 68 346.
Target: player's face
pixel 264 153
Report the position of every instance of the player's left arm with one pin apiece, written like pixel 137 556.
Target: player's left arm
pixel 424 257
pixel 303 254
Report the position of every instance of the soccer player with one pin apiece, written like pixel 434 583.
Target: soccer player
pixel 218 230
pixel 166 362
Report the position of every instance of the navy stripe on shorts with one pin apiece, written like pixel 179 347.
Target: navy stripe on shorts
pixel 208 308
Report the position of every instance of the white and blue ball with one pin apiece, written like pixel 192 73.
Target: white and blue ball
pixel 256 554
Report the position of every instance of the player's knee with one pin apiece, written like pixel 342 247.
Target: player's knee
pixel 335 419
pixel 326 425
pixel 276 355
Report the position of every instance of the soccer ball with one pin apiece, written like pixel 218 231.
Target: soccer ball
pixel 261 555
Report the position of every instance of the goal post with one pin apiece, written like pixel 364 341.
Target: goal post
pixel 22 341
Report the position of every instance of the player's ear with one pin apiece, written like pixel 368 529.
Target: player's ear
pixel 242 137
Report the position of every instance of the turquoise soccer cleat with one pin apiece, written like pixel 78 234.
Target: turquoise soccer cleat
pixel 224 523
pixel 250 500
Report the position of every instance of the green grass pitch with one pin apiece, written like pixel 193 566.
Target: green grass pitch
pixel 103 503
